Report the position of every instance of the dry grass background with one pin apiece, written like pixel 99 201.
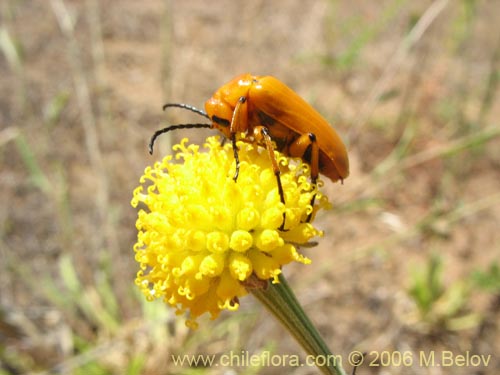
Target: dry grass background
pixel 411 86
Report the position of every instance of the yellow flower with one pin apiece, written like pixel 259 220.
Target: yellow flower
pixel 202 235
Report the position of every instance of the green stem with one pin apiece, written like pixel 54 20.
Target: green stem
pixel 281 302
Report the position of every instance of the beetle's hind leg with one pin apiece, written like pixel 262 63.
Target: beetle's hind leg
pixel 309 217
pixel 306 147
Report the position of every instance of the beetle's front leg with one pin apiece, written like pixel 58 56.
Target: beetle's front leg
pixel 236 157
pixel 261 133
pixel 239 123
pixel 303 145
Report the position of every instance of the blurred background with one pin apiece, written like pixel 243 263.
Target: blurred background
pixel 410 257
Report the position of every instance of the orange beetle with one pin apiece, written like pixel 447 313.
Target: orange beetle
pixel 265 110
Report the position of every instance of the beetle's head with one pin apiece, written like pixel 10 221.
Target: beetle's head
pixel 221 114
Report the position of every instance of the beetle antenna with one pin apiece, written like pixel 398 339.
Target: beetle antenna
pixel 188 107
pixel 174 127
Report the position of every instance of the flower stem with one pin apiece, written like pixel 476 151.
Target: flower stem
pixel 281 302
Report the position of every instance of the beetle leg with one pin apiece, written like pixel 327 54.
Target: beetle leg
pixel 236 157
pixel 261 133
pixel 302 145
pixel 239 123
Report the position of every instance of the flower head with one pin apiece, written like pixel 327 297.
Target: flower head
pixel 203 235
